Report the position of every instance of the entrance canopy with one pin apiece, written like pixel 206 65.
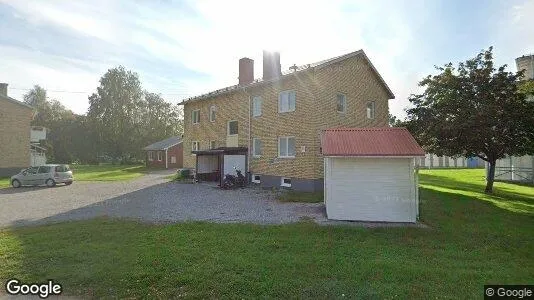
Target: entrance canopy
pixel 221 150
pixel 214 164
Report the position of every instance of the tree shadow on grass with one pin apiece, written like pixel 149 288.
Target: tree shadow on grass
pixel 502 197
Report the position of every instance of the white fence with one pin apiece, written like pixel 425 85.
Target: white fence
pixel 431 161
pixel 514 168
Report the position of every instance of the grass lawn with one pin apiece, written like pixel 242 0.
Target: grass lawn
pixel 474 240
pixel 107 172
pixel 293 196
pixel 4 182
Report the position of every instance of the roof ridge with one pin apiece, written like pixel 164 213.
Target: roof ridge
pixel 13 100
pixel 301 68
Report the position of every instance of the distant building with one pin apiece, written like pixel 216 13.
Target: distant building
pixel 514 168
pixel 167 154
pixel 432 161
pixel 15 119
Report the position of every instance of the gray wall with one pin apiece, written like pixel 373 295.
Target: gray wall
pixel 8 172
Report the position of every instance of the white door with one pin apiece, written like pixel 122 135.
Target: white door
pixel 237 161
pixel 370 189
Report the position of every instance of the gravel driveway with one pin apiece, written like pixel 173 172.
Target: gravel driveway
pixel 150 198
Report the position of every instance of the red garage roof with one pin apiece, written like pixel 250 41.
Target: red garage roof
pixel 382 141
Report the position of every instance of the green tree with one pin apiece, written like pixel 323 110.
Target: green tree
pixel 68 139
pixel 37 98
pixel 116 113
pixel 473 110
pixel 163 119
pixel 527 87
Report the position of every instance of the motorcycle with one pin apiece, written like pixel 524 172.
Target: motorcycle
pixel 231 181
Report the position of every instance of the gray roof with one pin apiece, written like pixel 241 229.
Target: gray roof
pixel 165 144
pixel 15 101
pixel 318 65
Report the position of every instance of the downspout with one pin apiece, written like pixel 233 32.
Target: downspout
pixel 249 137
pixel 249 129
pixel 166 159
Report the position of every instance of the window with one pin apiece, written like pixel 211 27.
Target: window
pixel 212 145
pixel 285 182
pixel 286 147
pixel 232 127
pixel 341 103
pixel 256 106
pixel 256 178
pixel 43 169
pixel 160 155
pixel 256 147
pixel 150 155
pixel 195 116
pixel 173 159
pixel 213 110
pixel 286 101
pixel 194 146
pixel 32 170
pixel 371 110
pixel 62 168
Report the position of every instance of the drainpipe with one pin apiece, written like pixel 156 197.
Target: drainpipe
pixel 249 137
pixel 166 160
pixel 249 129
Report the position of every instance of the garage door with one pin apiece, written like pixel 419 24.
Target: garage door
pixel 370 189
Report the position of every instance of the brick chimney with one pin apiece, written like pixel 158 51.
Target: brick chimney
pixel 271 65
pixel 3 89
pixel 246 70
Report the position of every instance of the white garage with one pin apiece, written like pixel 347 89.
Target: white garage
pixel 370 174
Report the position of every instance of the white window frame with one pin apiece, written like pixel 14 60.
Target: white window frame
pixel 287 146
pixel 370 112
pixel 344 103
pixel 228 128
pixel 193 144
pixel 193 119
pixel 289 103
pixel 150 155
pixel 254 180
pixel 213 113
pixel 254 147
pixel 159 155
pixel 282 183
pixel 212 144
pixel 256 103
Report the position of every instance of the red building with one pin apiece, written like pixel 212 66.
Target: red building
pixel 166 154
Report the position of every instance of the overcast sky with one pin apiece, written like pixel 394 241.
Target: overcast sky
pixel 183 48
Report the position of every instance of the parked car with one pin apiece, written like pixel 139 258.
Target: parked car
pixel 46 174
